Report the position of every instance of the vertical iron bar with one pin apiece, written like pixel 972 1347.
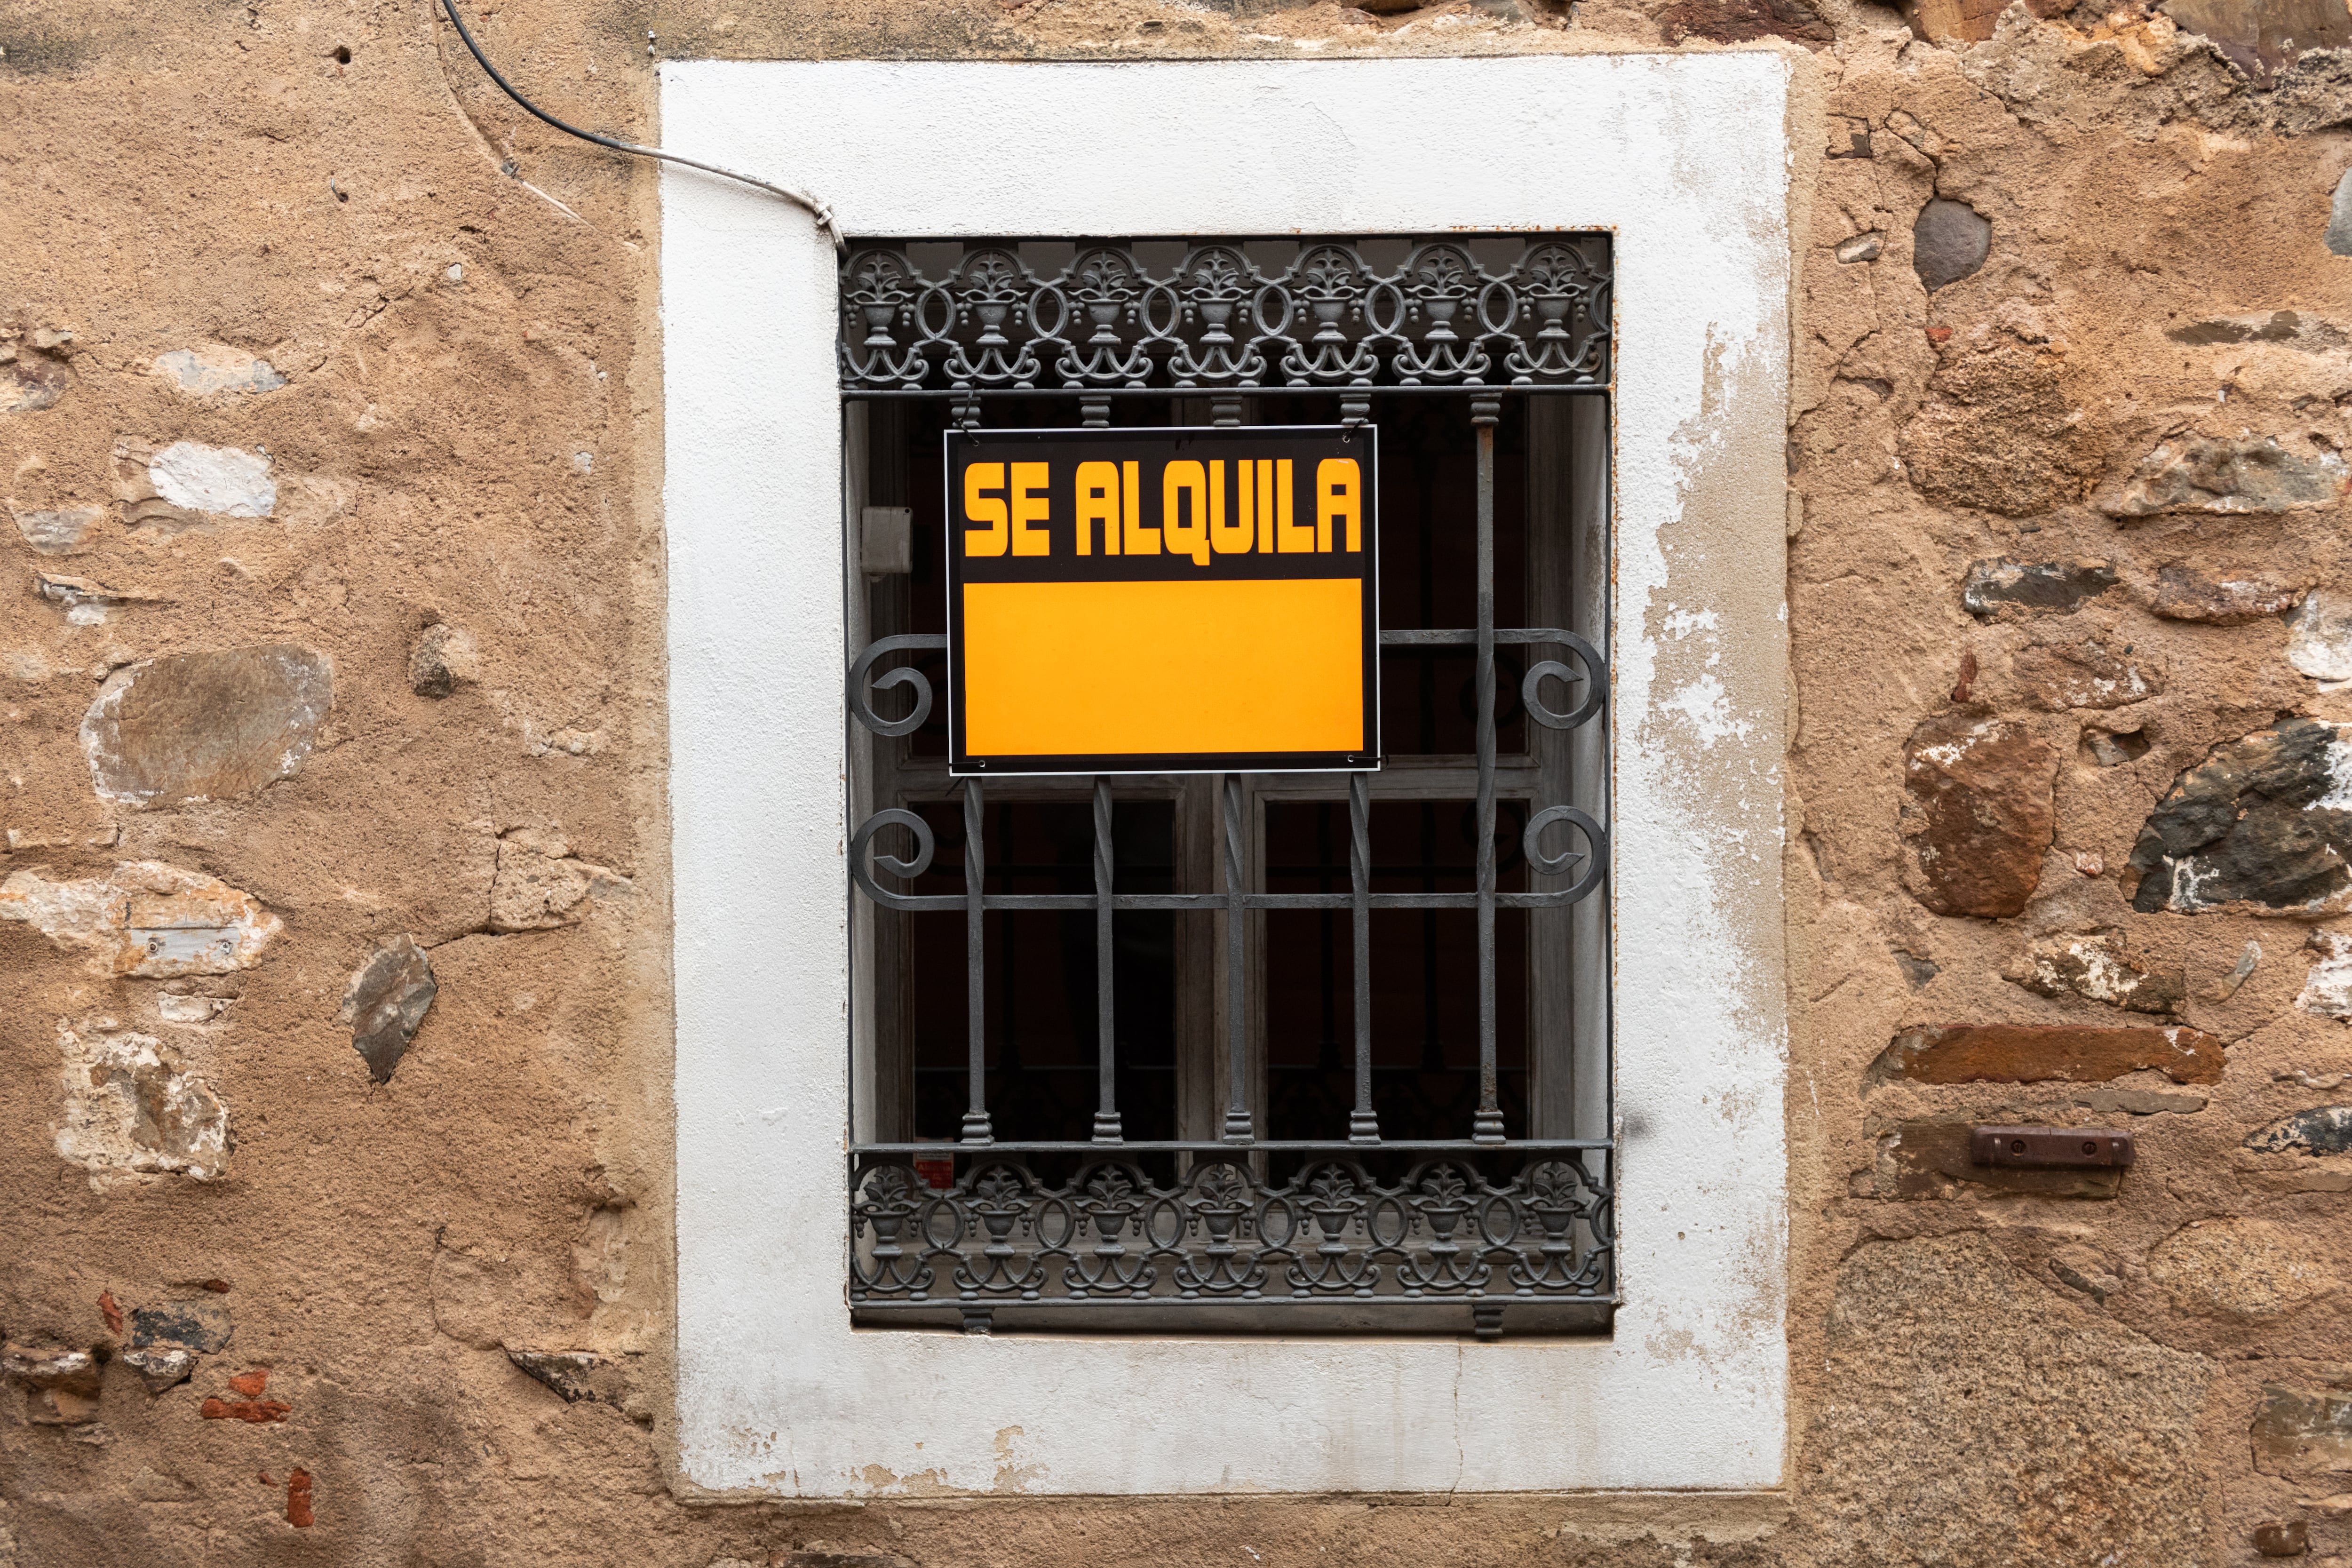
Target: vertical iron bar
pixel 976 1128
pixel 1237 1116
pixel 1107 1124
pixel 1488 1126
pixel 1363 1125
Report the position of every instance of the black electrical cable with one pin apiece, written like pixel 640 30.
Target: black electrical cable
pixel 817 209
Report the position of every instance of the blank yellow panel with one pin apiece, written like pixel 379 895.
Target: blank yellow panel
pixel 1104 669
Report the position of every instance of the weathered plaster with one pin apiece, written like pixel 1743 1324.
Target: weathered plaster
pixel 1686 159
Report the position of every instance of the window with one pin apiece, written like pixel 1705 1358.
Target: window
pixel 1250 1051
pixel 781 1390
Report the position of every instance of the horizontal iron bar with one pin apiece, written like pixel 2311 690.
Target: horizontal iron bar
pixel 1168 394
pixel 1113 1296
pixel 1467 637
pixel 1264 1146
pixel 920 903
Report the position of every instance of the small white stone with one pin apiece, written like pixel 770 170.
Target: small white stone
pixel 217 368
pixel 190 1009
pixel 62 532
pixel 2319 637
pixel 1862 247
pixel 227 481
pixel 456 273
pixel 2327 989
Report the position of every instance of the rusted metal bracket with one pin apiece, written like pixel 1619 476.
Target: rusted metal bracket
pixel 2048 1146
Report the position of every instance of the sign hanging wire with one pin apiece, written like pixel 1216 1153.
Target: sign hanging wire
pixel 816 208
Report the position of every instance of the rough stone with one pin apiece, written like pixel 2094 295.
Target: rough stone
pixel 186 482
pixel 175 1009
pixel 1929 1159
pixel 197 1325
pixel 2302 1432
pixel 2319 637
pixel 2291 1538
pixel 61 1385
pixel 2241 475
pixel 2241 1270
pixel 1864 246
pixel 2227 986
pixel 2264 38
pixel 132 1109
pixel 2340 218
pixel 206 726
pixel 1977 813
pixel 146 920
pixel 162 1367
pixel 2058 676
pixel 2081 1269
pixel 2000 434
pixel 31 383
pixel 2140 1103
pixel 57 530
pixel 214 368
pixel 2033 586
pixel 575 1375
pixel 2274 327
pixel 2323 1129
pixel 2113 751
pixel 1949 240
pixel 445 659
pixel 1744 21
pixel 2327 989
pixel 2264 824
pixel 2100 967
pixel 541 885
pixel 1953 1431
pixel 2184 594
pixel 2039 1053
pixel 385 1002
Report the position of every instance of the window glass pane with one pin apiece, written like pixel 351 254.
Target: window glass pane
pixel 1424 972
pixel 1040 975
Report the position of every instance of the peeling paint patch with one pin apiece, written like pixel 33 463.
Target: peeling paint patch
pixel 1707 706
pixel 147 920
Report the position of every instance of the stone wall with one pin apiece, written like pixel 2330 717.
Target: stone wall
pixel 333 1069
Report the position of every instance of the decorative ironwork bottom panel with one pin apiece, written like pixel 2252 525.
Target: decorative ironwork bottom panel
pixel 1272 1239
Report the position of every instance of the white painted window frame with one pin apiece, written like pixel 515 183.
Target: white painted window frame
pixel 1685 160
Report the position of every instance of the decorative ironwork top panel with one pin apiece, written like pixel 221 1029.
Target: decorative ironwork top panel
pixel 1226 315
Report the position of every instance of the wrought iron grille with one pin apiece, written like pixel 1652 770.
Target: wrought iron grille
pixel 1347 1232
pixel 1143 316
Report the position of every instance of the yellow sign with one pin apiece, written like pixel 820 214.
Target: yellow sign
pixel 1162 601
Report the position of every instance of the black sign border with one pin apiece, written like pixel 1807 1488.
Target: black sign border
pixel 963 765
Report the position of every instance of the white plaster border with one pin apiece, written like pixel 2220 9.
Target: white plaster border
pixel 1686 158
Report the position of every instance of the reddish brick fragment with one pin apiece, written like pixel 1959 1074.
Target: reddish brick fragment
pixel 250 1383
pixel 298 1500
pixel 2043 1053
pixel 243 1410
pixel 110 1313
